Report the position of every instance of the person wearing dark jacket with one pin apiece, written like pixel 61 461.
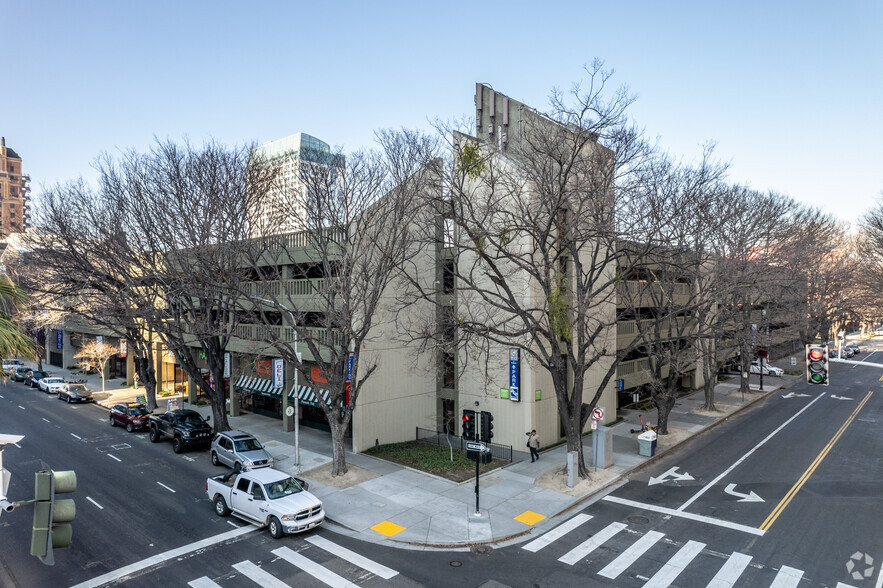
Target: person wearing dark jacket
pixel 533 443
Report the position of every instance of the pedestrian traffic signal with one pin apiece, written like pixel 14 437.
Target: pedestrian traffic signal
pixel 51 529
pixel 487 426
pixel 817 364
pixel 469 425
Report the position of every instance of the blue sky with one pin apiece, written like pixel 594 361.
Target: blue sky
pixel 790 91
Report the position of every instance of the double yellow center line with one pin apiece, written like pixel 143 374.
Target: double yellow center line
pixel 812 468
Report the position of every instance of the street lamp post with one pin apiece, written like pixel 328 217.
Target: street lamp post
pixel 760 360
pixel 296 405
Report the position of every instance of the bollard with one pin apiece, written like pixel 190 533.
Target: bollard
pixel 572 469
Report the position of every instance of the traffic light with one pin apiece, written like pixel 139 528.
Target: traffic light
pixel 817 364
pixel 51 529
pixel 487 426
pixel 469 425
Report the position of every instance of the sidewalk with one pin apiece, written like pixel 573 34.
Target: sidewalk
pixel 405 508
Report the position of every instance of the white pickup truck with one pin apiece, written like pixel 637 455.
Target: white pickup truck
pixel 266 497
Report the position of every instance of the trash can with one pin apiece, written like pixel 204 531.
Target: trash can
pixel 647 444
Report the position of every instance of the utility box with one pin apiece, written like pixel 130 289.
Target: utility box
pixel 647 444
pixel 602 447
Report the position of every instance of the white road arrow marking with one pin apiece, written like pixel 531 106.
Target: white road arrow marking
pixel 750 497
pixel 840 397
pixel 793 395
pixel 673 472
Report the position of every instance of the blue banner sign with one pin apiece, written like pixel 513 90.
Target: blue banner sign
pixel 59 339
pixel 513 375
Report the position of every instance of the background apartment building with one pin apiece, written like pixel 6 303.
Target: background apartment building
pixel 14 192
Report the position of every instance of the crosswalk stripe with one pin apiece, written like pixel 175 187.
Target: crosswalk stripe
pixel 673 567
pixel 592 543
pixel 730 572
pixel 203 582
pixel 787 577
pixel 312 568
pixel 630 555
pixel 259 576
pixel 556 533
pixel 353 557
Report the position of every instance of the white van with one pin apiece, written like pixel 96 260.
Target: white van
pixel 9 365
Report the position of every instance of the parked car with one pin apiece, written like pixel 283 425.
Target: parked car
pixel 842 353
pixel 266 497
pixel 51 384
pixel 131 415
pixel 855 348
pixel 240 451
pixel 185 427
pixel 768 370
pixel 74 393
pixel 33 378
pixel 20 374
pixel 9 365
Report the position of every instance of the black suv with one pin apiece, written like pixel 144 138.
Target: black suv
pixel 185 427
pixel 19 374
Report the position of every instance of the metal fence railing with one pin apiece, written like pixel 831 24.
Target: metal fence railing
pixel 436 438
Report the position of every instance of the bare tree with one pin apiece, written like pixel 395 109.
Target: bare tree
pixel 531 225
pixel 327 288
pixel 825 266
pixel 184 216
pixel 80 266
pixel 669 280
pixel 94 356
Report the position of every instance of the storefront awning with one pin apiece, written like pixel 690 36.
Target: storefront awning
pixel 307 396
pixel 255 385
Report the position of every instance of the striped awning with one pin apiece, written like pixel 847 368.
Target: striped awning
pixel 307 396
pixel 256 385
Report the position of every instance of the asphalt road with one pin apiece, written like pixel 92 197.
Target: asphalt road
pixel 134 498
pixel 787 493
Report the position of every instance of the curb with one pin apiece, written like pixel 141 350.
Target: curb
pixel 610 486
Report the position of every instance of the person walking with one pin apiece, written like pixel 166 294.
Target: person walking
pixel 533 443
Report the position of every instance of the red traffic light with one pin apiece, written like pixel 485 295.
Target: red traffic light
pixel 816 354
pixel 465 418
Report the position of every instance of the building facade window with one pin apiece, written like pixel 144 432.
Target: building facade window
pixel 448 370
pixel 448 276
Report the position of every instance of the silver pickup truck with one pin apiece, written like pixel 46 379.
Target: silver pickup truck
pixel 266 497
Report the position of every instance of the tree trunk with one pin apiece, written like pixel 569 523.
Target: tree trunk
pixel 147 376
pixel 709 372
pixel 708 389
pixel 338 447
pixel 663 409
pixel 219 409
pixel 573 435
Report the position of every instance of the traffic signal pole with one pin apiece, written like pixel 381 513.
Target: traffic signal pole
pixel 477 510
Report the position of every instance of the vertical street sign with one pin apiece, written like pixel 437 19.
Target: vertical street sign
pixel 124 350
pixel 227 364
pixel 278 373
pixel 59 339
pixel 349 378
pixel 513 375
